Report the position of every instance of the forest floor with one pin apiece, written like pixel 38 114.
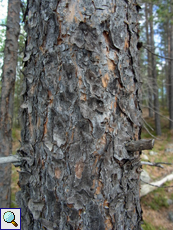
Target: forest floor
pixel 157 206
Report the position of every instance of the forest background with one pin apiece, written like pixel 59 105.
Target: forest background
pixel 156 63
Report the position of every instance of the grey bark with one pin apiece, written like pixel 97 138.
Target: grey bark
pixel 149 71
pixel 80 108
pixel 7 95
pixel 171 77
pixel 154 75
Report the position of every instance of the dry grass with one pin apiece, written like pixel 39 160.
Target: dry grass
pixel 15 175
pixel 154 205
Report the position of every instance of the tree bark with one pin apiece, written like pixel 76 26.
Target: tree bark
pixel 80 108
pixel 149 69
pixel 171 77
pixel 154 75
pixel 7 95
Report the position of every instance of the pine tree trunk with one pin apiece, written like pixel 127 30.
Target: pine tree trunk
pixel 7 95
pixel 150 89
pixel 171 77
pixel 168 69
pixel 81 106
pixel 154 75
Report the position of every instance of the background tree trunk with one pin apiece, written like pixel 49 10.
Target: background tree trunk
pixel 171 76
pixel 7 95
pixel 149 70
pixel 154 75
pixel 80 108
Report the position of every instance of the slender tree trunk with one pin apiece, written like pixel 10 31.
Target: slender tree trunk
pixel 154 75
pixel 171 77
pixel 150 88
pixel 7 95
pixel 168 70
pixel 81 106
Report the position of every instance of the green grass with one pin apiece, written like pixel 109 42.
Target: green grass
pixel 149 226
pixel 158 202
pixel 13 200
pixel 14 186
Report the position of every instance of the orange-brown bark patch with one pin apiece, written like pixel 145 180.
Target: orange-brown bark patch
pixel 111 65
pixel 99 188
pixel 108 224
pixel 106 36
pixel 83 97
pixel 79 167
pixel 42 49
pixel 72 11
pixel 94 183
pixel 105 80
pixel 38 122
pixel 72 135
pixel 80 212
pixel 75 19
pixel 103 140
pixel 126 44
pixel 32 89
pixel 45 126
pixel 106 204
pixel 50 97
pixel 111 130
pixel 115 104
pixel 42 163
pixel 57 173
pixel 81 15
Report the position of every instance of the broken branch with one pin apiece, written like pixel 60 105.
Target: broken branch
pixel 147 188
pixel 139 145
pixel 10 159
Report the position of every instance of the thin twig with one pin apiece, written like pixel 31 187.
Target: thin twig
pixel 151 133
pixel 157 112
pixel 169 58
pixel 156 185
pixel 165 163
pixel 147 124
pixel 152 164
